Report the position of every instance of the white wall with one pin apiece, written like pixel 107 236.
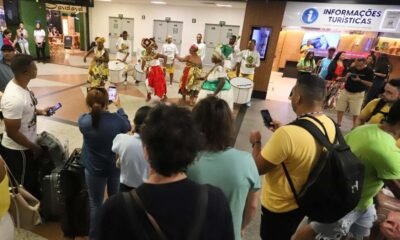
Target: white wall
pixel 99 15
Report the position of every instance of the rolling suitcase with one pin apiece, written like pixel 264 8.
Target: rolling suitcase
pixel 51 204
pixel 75 217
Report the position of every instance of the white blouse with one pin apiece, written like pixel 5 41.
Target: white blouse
pixel 218 72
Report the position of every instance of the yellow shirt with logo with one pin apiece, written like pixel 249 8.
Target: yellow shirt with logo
pixel 377 118
pixel 4 197
pixel 298 149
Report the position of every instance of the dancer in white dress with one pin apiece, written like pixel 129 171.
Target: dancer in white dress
pixel 216 81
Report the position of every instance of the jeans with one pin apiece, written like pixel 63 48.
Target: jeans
pixel 24 45
pixel 40 53
pixel 96 186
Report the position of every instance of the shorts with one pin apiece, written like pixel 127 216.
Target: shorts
pixel 169 69
pixel 353 100
pixel 357 224
pixel 248 76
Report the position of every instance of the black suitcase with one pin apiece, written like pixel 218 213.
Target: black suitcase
pixel 51 204
pixel 75 217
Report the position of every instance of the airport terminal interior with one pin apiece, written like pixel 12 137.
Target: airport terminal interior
pixel 146 53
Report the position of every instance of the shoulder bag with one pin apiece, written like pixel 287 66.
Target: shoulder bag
pixel 24 208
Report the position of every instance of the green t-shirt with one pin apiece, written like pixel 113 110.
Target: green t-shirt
pixel 234 172
pixel 378 151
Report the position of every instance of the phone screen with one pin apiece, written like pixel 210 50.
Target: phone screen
pixel 112 93
pixel 54 108
pixel 266 117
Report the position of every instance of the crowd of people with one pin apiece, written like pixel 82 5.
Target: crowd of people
pixel 20 41
pixel 159 64
pixel 174 173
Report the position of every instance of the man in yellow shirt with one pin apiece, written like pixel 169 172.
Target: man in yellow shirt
pixel 376 110
pixel 304 49
pixel 295 147
pixel 372 112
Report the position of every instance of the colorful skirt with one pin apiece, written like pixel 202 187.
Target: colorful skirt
pixel 157 81
pixel 189 80
pixel 98 74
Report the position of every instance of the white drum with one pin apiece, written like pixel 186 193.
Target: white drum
pixel 242 89
pixel 138 73
pixel 117 71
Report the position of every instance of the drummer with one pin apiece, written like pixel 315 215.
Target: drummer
pixel 124 49
pixel 170 50
pixel 250 60
pixel 151 65
pixel 231 52
pixel 216 81
pixel 98 70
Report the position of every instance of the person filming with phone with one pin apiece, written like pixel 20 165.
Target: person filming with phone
pixel 18 103
pixel 297 149
pixel 99 128
pixel 358 80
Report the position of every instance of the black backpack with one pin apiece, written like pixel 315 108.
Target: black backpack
pixel 334 185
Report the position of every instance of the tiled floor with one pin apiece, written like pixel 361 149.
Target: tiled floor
pixel 66 84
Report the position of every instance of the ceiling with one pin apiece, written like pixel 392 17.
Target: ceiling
pixel 203 3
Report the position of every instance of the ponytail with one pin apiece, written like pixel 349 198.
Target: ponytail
pixel 96 113
pixel 97 100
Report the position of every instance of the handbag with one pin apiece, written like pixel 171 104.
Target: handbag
pixel 24 207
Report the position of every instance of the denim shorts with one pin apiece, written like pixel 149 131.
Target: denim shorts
pixel 356 224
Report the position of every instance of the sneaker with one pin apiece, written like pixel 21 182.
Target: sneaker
pixel 248 104
pixel 125 83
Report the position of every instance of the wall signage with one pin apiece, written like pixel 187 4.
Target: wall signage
pixel 87 3
pixel 65 8
pixel 379 18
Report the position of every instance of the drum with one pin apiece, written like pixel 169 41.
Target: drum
pixel 138 73
pixel 117 70
pixel 242 89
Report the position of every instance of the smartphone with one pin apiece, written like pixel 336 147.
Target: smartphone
pixel 112 93
pixel 266 117
pixel 53 109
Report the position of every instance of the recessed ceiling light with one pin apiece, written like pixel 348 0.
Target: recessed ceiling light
pixel 158 2
pixel 223 5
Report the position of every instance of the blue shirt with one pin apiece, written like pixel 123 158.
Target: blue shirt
pixel 234 172
pixel 6 74
pixel 324 67
pixel 97 155
pixel 133 165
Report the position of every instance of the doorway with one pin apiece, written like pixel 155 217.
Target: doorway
pixel 116 27
pixel 215 34
pixel 163 28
